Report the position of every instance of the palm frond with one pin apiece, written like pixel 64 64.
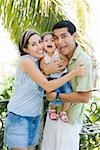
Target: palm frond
pixel 18 15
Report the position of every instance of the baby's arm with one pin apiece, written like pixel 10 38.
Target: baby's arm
pixel 53 67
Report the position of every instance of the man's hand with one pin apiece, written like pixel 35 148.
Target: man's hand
pixel 53 67
pixel 51 96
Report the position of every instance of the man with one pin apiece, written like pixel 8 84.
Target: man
pixel 59 135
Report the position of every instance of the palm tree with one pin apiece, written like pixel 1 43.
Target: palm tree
pixel 17 15
pixel 79 13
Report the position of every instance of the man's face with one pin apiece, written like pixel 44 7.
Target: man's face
pixel 65 42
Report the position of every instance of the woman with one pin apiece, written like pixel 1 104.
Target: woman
pixel 23 118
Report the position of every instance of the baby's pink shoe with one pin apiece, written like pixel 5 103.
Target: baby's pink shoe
pixel 64 116
pixel 53 115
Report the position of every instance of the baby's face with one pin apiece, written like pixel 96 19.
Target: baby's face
pixel 48 43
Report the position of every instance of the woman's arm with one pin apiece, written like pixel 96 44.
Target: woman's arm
pixel 28 66
pixel 65 59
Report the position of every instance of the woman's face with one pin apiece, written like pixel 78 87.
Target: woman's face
pixel 35 46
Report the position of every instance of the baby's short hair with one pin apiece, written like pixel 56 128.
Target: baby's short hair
pixel 47 33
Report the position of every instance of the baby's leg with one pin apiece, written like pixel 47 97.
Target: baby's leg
pixel 52 112
pixel 65 106
pixel 64 114
pixel 52 106
pixel 66 88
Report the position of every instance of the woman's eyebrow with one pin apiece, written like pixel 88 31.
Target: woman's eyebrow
pixel 32 42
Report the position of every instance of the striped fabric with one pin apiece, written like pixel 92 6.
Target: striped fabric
pixel 28 96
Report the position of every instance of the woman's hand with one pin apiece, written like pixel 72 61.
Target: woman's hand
pixel 80 70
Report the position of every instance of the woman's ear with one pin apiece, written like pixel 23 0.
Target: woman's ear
pixel 25 50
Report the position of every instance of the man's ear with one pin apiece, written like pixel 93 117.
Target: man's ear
pixel 75 35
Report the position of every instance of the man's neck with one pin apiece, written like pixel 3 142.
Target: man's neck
pixel 71 54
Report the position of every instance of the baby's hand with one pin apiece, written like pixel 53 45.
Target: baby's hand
pixel 59 65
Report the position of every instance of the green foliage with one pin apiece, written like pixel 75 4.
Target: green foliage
pixel 91 140
pixel 41 15
pixel 7 88
pixel 6 92
pixel 19 15
pixel 80 11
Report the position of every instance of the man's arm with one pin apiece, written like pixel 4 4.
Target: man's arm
pixel 74 97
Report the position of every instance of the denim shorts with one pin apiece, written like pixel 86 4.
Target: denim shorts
pixel 56 102
pixel 21 132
